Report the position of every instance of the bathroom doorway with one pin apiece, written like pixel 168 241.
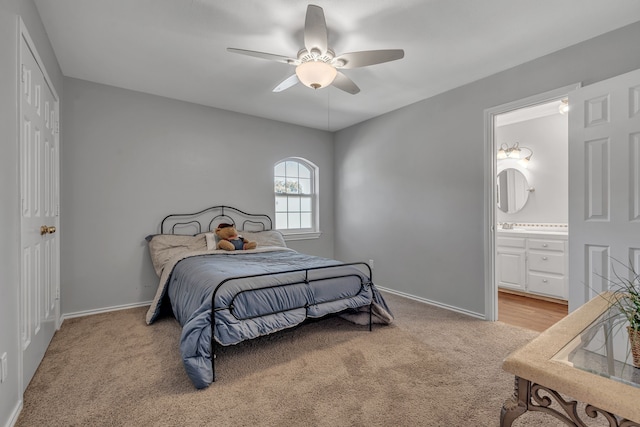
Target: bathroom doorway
pixel 527 152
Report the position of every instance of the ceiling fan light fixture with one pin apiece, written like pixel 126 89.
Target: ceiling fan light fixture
pixel 316 74
pixel 316 63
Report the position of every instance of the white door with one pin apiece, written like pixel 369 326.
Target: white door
pixel 39 190
pixel 604 183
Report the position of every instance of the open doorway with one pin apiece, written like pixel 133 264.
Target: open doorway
pixel 532 214
pixel 528 210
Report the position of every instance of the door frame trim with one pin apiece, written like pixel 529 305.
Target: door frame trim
pixel 24 33
pixel 490 167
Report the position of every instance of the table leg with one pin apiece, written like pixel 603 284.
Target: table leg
pixel 528 396
pixel 517 404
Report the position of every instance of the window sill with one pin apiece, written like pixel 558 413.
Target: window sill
pixel 301 236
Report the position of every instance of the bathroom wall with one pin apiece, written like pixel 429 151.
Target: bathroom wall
pixel 546 173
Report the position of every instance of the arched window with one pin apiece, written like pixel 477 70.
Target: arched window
pixel 296 189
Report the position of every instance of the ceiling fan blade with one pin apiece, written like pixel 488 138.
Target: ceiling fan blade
pixel 344 83
pixel 367 57
pixel 262 55
pixel 315 30
pixel 287 83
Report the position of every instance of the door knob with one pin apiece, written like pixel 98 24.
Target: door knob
pixel 47 229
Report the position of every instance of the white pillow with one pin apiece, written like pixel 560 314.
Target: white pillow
pixel 265 238
pixel 212 240
pixel 262 238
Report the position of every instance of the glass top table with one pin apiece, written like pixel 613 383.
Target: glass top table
pixel 603 348
pixel 580 368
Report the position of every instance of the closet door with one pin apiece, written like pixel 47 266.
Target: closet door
pixel 39 248
pixel 604 184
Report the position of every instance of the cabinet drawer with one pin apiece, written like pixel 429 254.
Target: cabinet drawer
pixel 546 262
pixel 547 285
pixel 546 245
pixel 511 242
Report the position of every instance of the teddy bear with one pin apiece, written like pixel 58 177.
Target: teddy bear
pixel 230 240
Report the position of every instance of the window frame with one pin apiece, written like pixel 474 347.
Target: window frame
pixel 312 232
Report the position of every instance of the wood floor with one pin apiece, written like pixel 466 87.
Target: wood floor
pixel 530 313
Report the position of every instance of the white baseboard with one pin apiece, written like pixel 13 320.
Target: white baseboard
pixel 13 419
pixel 103 310
pixel 434 303
pixel 391 291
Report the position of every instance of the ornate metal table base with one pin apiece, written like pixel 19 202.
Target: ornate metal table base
pixel 528 396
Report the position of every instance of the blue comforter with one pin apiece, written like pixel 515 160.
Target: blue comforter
pixel 248 308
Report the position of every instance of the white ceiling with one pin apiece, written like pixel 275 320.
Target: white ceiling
pixel 177 48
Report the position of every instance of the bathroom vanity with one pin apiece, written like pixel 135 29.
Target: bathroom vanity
pixel 533 260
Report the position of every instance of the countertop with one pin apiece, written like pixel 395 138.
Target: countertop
pixel 523 232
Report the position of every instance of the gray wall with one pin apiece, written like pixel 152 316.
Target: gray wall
pixel 410 184
pixel 130 159
pixel 548 171
pixel 10 393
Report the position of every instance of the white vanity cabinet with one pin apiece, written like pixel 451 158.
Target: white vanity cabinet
pixel 511 262
pixel 532 262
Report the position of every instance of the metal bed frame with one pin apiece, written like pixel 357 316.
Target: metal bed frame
pixel 260 222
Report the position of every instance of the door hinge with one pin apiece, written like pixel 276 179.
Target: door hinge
pixel 58 293
pixel 23 73
pixel 57 127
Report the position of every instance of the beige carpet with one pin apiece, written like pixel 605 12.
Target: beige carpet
pixel 432 367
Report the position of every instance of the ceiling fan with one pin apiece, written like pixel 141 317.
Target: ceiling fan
pixel 317 66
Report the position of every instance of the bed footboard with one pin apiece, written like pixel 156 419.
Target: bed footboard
pixel 365 282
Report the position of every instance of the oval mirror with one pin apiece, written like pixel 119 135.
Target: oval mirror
pixel 513 190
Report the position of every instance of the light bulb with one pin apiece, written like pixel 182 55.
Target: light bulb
pixel 564 107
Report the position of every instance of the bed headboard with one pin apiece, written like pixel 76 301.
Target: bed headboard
pixel 208 219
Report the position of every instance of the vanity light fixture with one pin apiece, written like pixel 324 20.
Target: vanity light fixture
pixel 515 152
pixel 525 161
pixel 564 106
